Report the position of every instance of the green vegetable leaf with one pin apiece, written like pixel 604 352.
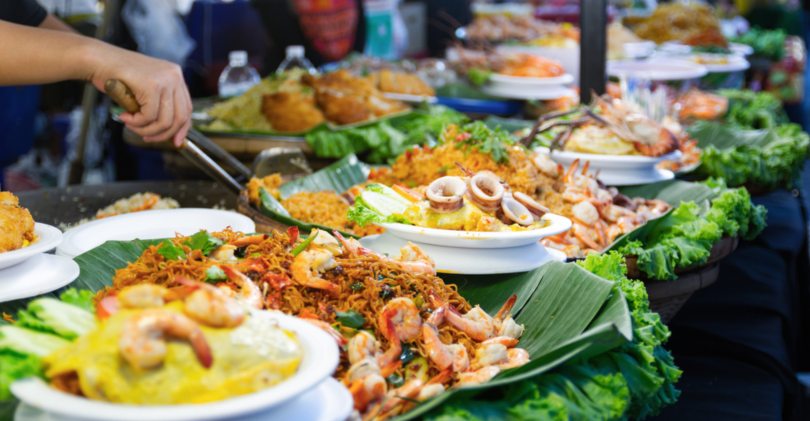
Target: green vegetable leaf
pixel 495 142
pixel 204 242
pixel 15 367
pixel 54 316
pixel 215 274
pixel 29 342
pixel 350 318
pixel 170 251
pixel 81 298
pixel 478 76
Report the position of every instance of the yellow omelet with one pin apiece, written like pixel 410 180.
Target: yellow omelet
pixel 253 356
pixel 598 140
pixel 468 218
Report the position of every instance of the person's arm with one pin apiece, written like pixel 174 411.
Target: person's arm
pixel 53 23
pixel 34 56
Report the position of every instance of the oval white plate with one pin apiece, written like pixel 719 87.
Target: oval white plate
pixel 470 261
pixel 657 69
pixel 329 401
pixel 529 93
pixel 522 81
pixel 478 240
pixel 147 225
pixel 635 178
pixel 598 161
pixel 35 276
pixel 319 361
pixel 48 238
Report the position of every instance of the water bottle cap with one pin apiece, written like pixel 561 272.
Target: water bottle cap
pixel 295 51
pixel 237 58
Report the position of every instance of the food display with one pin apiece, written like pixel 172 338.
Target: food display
pixel 136 203
pixel 525 29
pixel 527 65
pixel 692 24
pixel 297 102
pixel 341 287
pixel 16 223
pixel 400 82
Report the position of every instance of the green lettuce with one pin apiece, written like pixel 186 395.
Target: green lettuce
pixel 82 298
pixel 753 110
pixel 378 204
pixel 15 366
pixel 54 316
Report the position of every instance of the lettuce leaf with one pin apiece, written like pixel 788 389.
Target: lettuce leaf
pixel 16 366
pixel 82 298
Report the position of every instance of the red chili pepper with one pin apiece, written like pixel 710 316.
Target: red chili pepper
pixel 293 233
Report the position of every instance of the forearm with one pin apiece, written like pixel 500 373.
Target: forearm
pixel 34 56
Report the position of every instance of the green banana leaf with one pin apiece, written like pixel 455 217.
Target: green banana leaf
pixel 338 177
pixel 272 208
pixel 568 312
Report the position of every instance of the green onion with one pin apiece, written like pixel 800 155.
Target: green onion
pixel 304 244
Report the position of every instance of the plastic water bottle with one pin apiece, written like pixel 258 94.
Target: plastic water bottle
pixel 238 76
pixel 295 59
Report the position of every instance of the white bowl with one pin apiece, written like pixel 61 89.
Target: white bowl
pixel 48 238
pixel 149 225
pixel 320 358
pixel 657 69
pixel 524 82
pixel 475 239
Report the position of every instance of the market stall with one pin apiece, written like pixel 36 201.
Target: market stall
pixel 553 221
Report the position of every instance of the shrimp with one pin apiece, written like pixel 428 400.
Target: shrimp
pixel 249 240
pixel 209 305
pixel 142 342
pixel 365 383
pixel 308 264
pixel 326 327
pixel 399 321
pixel 443 355
pixel 224 254
pixel 515 357
pixel 143 296
pixel 396 400
pixel 414 260
pixel 361 346
pixel 249 292
pixel 324 240
pixel 585 212
pixel 489 353
pixel 482 375
pixel 476 323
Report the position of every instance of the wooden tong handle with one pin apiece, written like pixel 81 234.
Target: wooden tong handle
pixel 122 95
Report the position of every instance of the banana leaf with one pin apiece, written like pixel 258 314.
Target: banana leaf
pixel 338 177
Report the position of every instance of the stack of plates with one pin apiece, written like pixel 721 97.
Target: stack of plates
pixel 30 271
pixel 310 394
pixel 529 88
pixel 474 253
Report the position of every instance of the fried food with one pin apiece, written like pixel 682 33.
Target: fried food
pixel 346 99
pixel 400 83
pixel 16 223
pixel 529 65
pixel 136 203
pixel 291 111
pixel 692 23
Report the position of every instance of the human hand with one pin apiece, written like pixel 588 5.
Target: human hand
pixel 158 87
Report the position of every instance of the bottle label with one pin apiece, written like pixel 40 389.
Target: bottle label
pixel 330 25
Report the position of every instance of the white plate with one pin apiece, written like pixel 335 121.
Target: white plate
pixel 318 362
pixel 411 99
pixel 638 178
pixel 657 69
pixel 38 275
pixel 147 225
pixel 469 261
pixel 618 170
pixel 735 64
pixel 48 238
pixel 478 240
pixel 741 49
pixel 529 93
pixel 522 81
pixel 329 401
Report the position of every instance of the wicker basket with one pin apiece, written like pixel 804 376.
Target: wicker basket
pixel 667 297
pixel 263 222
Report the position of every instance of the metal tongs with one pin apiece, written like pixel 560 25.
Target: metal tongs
pixel 194 146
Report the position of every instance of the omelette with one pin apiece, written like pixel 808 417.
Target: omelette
pixel 253 356
pixel 16 223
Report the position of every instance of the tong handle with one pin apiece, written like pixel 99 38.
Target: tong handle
pixel 122 95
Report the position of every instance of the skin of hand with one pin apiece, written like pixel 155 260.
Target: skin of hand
pixel 35 56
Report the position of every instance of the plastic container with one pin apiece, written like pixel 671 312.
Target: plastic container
pixel 296 59
pixel 238 76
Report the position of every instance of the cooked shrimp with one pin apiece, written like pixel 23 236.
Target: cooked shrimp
pixel 414 260
pixel 324 240
pixel 365 383
pixel 489 353
pixel 224 254
pixel 249 240
pixel 482 375
pixel 476 323
pixel 143 296
pixel 515 357
pixel 361 346
pixel 444 355
pixel 399 321
pixel 209 305
pixel 309 264
pixel 249 292
pixel 326 327
pixel 142 342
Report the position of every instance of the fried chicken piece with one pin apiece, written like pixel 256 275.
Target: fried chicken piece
pixel 347 99
pixel 16 223
pixel 402 83
pixel 291 111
